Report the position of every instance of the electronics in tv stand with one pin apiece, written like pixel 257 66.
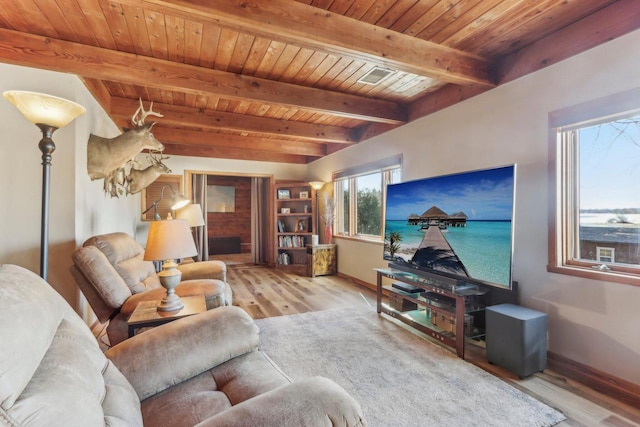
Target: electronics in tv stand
pixel 421 312
pixel 497 294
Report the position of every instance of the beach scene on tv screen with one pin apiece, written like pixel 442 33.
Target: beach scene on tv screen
pixel 459 224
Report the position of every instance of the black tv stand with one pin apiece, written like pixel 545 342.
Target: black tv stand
pixel 449 324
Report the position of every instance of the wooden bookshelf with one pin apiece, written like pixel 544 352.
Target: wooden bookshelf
pixel 294 213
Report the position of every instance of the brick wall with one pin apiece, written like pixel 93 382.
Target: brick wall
pixel 233 224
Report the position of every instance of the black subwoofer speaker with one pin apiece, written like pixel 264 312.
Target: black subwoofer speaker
pixel 516 338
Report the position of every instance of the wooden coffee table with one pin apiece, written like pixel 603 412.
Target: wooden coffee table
pixel 146 315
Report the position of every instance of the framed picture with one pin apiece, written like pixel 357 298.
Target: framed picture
pixel 221 198
pixel 302 225
pixel 304 194
pixel 285 210
pixel 284 194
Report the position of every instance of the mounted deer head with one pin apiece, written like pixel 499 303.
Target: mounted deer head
pixel 138 179
pixel 105 155
pixel 114 183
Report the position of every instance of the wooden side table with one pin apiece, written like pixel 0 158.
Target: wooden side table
pixel 321 260
pixel 146 315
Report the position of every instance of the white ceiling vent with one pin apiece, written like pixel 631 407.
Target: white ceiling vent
pixel 375 76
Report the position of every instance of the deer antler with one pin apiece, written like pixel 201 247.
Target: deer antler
pixel 143 114
pixel 157 158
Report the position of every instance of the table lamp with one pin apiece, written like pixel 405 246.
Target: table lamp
pixel 49 113
pixel 167 241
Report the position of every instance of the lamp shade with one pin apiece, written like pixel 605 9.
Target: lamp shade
pixel 178 201
pixel 169 239
pixel 316 185
pixel 40 108
pixel 193 215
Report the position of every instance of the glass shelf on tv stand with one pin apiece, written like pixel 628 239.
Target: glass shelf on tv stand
pixel 468 300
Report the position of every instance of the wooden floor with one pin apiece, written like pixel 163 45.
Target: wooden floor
pixel 265 292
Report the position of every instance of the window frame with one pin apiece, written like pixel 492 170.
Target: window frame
pixel 385 167
pixel 560 177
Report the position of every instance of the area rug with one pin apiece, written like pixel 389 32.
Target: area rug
pixel 400 379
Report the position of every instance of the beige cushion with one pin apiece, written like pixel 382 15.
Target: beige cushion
pixel 97 270
pixel 127 257
pixel 220 334
pixel 53 372
pixel 213 391
pixel 204 270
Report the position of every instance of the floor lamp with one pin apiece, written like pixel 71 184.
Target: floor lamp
pixel 177 201
pixel 193 214
pixel 49 113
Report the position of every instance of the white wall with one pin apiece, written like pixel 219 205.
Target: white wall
pixel 592 322
pixel 78 207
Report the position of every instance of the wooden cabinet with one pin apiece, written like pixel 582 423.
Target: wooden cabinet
pixel 321 260
pixel 295 206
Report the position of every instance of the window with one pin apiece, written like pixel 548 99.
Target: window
pixel 606 254
pixel 362 215
pixel 595 223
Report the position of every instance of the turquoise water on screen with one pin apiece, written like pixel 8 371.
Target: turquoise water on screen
pixel 484 247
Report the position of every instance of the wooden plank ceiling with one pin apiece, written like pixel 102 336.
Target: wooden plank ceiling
pixel 278 80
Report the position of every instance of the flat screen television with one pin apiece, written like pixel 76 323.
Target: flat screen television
pixel 459 226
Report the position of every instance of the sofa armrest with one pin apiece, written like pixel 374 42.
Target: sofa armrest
pixel 172 353
pixel 315 401
pixel 204 270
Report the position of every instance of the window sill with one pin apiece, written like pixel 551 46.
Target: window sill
pixel 360 239
pixel 590 273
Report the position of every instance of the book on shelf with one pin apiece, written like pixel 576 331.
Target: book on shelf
pixel 291 241
pixel 283 258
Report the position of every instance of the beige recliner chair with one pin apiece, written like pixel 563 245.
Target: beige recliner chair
pixel 111 273
pixel 203 370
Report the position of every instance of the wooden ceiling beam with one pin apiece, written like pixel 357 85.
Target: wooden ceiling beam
pixel 441 99
pixel 609 23
pixel 221 140
pixel 317 29
pixel 371 130
pixel 216 120
pixel 233 154
pixel 93 62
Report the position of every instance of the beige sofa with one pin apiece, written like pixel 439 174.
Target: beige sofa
pixel 111 273
pixel 203 370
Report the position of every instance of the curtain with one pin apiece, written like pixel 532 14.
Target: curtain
pixel 201 233
pixel 259 219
